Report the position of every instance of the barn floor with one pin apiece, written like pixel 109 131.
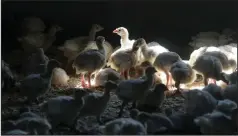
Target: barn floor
pixel 12 103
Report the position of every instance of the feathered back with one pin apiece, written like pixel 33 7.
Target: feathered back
pixel 209 66
pixel 59 77
pixel 107 74
pixel 153 50
pixel 153 44
pixel 221 56
pixel 231 53
pixel 124 58
pixel 195 54
pixel 91 60
pixel 198 102
pixel 182 72
pixel 166 59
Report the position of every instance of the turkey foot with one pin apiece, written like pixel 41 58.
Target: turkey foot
pixel 83 83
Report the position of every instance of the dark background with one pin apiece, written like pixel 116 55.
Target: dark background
pixel 175 21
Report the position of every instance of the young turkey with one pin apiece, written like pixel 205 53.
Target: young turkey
pixel 124 59
pixel 90 61
pixel 83 43
pixel 153 99
pixel 124 126
pixel 124 34
pixel 164 62
pixel 63 109
pixel 209 67
pixel 150 51
pixel 37 84
pixel 90 109
pixel 182 73
pixel 107 74
pixel 153 122
pixel 135 90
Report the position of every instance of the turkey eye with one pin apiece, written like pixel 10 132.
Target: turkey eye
pixel 119 30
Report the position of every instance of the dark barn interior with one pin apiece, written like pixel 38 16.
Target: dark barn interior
pixel 175 21
pixel 170 23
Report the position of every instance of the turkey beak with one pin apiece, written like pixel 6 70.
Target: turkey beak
pixel 115 31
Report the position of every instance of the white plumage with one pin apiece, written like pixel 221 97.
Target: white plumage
pixel 148 52
pixel 125 41
pixel 211 39
pixel 59 77
pixel 124 58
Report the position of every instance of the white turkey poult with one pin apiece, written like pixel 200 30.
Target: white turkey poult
pixel 83 43
pixel 59 78
pixel 124 59
pixel 212 38
pixel 78 44
pixel 145 53
pixel 124 34
pixel 227 54
pixel 163 63
pixel 230 51
pixel 148 52
pixel 125 42
pixel 90 61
